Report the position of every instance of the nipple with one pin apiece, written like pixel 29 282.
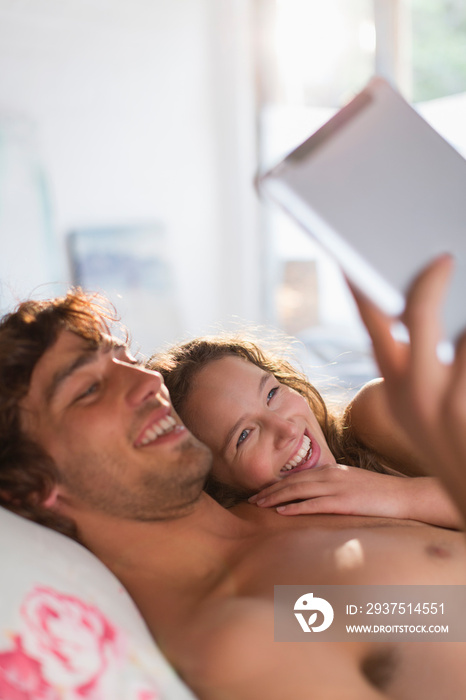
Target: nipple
pixel 436 550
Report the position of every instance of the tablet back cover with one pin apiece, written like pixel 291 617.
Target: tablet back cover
pixel 384 193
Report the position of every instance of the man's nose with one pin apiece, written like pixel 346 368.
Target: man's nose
pixel 141 384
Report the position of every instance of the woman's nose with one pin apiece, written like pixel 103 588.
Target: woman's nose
pixel 284 430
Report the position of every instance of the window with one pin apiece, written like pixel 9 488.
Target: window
pixel 314 58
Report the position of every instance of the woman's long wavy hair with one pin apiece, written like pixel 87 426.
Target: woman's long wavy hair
pixel 180 365
pixel 27 474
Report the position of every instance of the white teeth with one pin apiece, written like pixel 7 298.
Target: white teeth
pixel 158 429
pixel 300 455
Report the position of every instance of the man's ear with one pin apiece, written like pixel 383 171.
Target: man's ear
pixel 60 501
pixel 51 500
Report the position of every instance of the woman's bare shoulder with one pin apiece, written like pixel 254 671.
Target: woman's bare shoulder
pixel 369 416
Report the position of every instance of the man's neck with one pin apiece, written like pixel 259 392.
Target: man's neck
pixel 182 548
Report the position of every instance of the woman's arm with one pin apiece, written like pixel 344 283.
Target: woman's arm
pixel 335 488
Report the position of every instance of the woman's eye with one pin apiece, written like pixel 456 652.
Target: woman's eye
pixel 243 436
pixel 272 393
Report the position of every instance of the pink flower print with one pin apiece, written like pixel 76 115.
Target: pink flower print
pixel 73 641
pixel 21 677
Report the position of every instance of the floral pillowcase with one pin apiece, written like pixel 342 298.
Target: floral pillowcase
pixel 68 629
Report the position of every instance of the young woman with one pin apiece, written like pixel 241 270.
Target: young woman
pixel 275 441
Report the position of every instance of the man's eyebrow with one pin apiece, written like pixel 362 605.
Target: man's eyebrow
pixel 262 382
pixel 85 357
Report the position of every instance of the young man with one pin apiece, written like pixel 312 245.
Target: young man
pixel 102 454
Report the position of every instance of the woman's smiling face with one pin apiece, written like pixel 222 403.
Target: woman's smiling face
pixel 259 430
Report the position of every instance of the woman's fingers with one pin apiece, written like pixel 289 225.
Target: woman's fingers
pixel 458 374
pixel 289 492
pixel 454 401
pixel 323 504
pixel 390 354
pixel 415 378
pixel 423 315
pixel 308 483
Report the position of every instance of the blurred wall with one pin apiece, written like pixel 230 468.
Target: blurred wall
pixel 124 111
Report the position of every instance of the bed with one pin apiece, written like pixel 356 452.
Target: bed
pixel 68 629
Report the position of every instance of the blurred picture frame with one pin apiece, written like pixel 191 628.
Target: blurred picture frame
pixel 131 266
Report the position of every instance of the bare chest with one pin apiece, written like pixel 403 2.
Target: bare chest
pixel 351 550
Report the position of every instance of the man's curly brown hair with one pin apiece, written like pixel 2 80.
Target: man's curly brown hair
pixel 27 473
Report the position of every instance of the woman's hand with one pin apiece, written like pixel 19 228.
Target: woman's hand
pixel 335 488
pixel 426 395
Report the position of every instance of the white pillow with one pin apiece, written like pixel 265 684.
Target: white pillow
pixel 68 629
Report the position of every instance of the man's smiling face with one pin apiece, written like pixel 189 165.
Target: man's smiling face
pixel 109 426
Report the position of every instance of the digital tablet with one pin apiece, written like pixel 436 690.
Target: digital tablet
pixel 382 192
